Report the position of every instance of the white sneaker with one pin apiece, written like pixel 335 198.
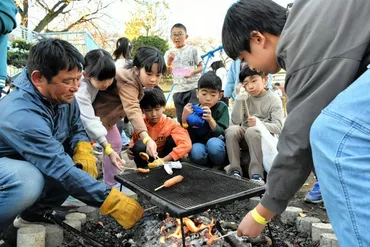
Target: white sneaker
pixel 19 222
pixel 258 179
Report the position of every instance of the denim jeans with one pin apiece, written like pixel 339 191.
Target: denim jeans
pixel 340 141
pixel 21 184
pixel 214 151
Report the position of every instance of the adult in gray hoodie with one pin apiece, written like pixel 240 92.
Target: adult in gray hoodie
pixel 324 48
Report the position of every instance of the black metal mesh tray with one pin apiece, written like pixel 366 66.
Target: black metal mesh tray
pixel 201 189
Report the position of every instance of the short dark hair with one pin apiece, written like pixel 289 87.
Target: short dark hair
pixel 245 16
pixel 145 58
pixel 246 71
pixel 179 25
pixel 277 84
pixel 216 65
pixel 99 64
pixel 152 98
pixel 50 56
pixel 123 47
pixel 210 80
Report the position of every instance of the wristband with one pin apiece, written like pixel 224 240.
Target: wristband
pixel 108 149
pixel 258 218
pixel 185 125
pixel 169 66
pixel 146 139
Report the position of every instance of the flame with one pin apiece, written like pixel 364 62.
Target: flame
pixel 192 227
pixel 177 232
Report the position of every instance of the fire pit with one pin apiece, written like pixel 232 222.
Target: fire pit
pixel 202 189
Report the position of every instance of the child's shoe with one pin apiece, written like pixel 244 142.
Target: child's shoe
pixel 314 195
pixel 258 178
pixel 236 174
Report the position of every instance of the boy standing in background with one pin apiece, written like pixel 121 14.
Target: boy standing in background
pixel 185 63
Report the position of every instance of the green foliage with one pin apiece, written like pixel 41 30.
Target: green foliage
pixel 153 41
pixel 149 18
pixel 18 53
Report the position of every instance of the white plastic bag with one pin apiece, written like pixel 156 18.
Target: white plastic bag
pixel 269 145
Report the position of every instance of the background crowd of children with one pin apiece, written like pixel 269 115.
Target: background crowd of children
pixel 117 88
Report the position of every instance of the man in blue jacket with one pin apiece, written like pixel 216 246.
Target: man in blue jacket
pixel 8 11
pixel 39 122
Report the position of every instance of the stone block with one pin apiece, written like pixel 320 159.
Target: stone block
pixel 31 236
pixel 320 228
pixel 304 224
pixel 76 224
pixel 328 240
pixel 77 216
pixel 253 202
pixel 91 213
pixel 54 236
pixel 290 214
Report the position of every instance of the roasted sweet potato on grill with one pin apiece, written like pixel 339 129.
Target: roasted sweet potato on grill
pixel 170 182
pixel 142 170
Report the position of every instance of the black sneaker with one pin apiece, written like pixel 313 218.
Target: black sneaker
pixel 27 218
pixel 125 147
pixel 236 174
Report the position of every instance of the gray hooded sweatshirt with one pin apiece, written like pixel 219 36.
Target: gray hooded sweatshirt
pixel 324 47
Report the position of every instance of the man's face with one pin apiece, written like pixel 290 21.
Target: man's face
pixel 62 87
pixel 153 115
pixel 208 97
pixel 262 55
pixel 255 85
pixel 150 79
pixel 178 37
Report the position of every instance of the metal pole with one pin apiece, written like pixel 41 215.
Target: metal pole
pixel 169 94
pixel 182 232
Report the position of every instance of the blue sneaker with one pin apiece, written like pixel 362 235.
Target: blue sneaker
pixel 314 195
pixel 258 178
pixel 236 174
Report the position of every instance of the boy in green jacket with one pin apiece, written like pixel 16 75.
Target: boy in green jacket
pixel 207 122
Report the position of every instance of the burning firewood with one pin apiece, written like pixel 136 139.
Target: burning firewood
pixel 213 238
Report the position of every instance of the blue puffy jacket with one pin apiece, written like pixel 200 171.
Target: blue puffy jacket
pixel 35 130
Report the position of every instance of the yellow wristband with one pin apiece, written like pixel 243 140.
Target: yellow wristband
pixel 185 125
pixel 258 218
pixel 108 149
pixel 146 139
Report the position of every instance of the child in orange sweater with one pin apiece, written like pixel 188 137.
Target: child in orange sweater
pixel 173 141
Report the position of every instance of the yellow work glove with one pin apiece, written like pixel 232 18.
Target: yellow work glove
pixel 156 163
pixel 83 154
pixel 125 210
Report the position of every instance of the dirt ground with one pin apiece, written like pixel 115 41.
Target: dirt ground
pixel 146 233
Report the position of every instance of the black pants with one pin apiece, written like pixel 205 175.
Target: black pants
pixel 181 99
pixel 140 147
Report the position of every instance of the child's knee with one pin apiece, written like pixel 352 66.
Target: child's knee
pixel 215 145
pixel 233 131
pixel 252 132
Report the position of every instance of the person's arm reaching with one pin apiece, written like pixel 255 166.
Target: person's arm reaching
pixel 131 104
